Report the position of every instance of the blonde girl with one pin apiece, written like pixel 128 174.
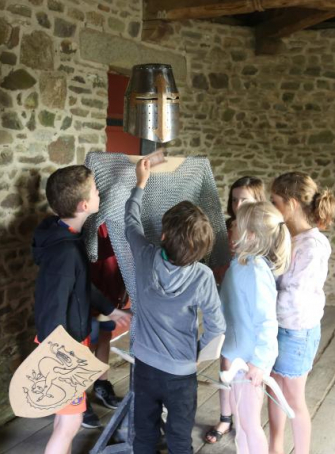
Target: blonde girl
pixel 245 189
pixel 248 294
pixel 301 300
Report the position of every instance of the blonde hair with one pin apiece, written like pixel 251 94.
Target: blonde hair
pixel 318 206
pixel 263 233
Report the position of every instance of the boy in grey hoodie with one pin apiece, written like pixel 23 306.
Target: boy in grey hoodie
pixel 171 286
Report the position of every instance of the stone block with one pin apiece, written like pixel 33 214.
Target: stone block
pixel 323 137
pixel 55 5
pixel 238 55
pixel 96 103
pixel 68 47
pixel 79 79
pixel 62 150
pixel 64 29
pixel 31 101
pixel 95 19
pixel 290 86
pixel 32 160
pixel 31 123
pixel 80 90
pixel 8 58
pixel 14 38
pixel 76 14
pixel 89 138
pixel 5 137
pixel 200 81
pixel 18 80
pixel 43 20
pixel 66 123
pixel 93 125
pixel 119 53
pixel 77 111
pixel 313 71
pixel 47 119
pixel 116 25
pixel 37 51
pixel 5 99
pixel 218 80
pixel 6 156
pixel 228 115
pixel 21 10
pixel 5 31
pixel 66 69
pixel 11 120
pixel 53 90
pixel 329 74
pixel 134 29
pixel 11 201
pixel 81 154
pixel 249 70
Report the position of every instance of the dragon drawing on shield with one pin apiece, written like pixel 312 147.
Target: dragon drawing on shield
pixel 58 379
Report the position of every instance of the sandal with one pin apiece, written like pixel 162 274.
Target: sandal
pixel 214 433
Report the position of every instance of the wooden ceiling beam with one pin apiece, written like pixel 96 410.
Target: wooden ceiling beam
pixel 285 23
pixel 206 9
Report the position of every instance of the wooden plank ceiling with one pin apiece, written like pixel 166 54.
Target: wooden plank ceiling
pixel 272 19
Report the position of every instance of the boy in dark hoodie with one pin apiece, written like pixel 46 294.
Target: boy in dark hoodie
pixel 63 293
pixel 171 286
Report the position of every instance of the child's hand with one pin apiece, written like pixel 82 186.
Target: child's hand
pixel 142 172
pixel 121 318
pixel 255 374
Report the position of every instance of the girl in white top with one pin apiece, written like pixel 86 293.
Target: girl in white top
pixel 300 301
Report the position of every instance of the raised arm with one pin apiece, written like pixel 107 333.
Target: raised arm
pixel 133 224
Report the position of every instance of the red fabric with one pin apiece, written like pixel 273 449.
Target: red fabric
pixel 105 272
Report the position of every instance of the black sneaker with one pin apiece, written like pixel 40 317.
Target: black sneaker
pixel 104 391
pixel 90 419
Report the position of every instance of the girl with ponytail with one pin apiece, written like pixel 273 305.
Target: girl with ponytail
pixel 301 300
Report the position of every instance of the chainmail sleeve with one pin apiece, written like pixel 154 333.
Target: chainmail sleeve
pixel 115 177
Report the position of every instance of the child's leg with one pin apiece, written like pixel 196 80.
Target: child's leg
pixel 248 401
pixel 294 391
pixel 148 408
pixel 240 437
pixel 181 402
pixel 277 419
pixel 225 410
pixel 65 429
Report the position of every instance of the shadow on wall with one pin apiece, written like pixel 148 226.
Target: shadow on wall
pixel 26 207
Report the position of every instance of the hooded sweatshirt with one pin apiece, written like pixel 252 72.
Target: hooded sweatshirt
pixel 168 299
pixel 63 291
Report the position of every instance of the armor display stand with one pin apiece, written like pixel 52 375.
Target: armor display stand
pixel 151 112
pixel 123 415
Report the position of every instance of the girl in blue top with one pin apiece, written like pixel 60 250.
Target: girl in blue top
pixel 248 294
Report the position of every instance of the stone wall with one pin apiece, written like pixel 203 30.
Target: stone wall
pixel 255 115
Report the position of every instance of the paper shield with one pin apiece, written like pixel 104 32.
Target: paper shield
pixel 56 373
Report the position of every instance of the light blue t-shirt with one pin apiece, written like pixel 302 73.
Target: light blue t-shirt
pixel 248 295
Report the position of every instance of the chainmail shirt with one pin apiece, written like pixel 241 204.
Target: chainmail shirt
pixel 115 177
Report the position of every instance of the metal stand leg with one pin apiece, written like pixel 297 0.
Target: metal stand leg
pixel 124 410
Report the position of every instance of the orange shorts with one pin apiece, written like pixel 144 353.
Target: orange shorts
pixel 75 407
pixel 78 405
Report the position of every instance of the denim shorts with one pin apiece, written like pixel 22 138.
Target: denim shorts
pixel 297 350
